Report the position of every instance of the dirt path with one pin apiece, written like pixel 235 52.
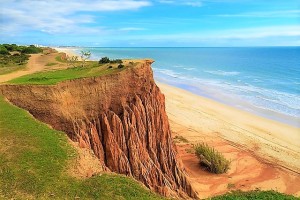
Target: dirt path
pixel 36 63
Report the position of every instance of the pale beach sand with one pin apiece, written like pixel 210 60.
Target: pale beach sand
pixel 70 51
pixel 265 154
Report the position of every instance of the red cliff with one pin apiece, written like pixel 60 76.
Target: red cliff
pixel 121 117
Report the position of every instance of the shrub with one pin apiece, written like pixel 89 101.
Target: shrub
pixel 21 58
pixel 120 66
pixel 104 60
pixel 15 59
pixel 31 50
pixel 3 50
pixel 13 47
pixel 214 161
pixel 181 139
pixel 119 61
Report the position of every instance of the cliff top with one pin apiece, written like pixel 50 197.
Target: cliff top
pixel 91 69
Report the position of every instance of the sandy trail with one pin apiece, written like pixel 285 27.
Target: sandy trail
pixel 265 154
pixel 36 63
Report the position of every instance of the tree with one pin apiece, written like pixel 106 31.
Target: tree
pixel 3 50
pixel 85 55
pixel 72 60
pixel 104 60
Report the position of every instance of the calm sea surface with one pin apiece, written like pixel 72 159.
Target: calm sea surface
pixel 264 80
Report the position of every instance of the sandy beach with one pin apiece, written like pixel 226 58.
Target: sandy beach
pixel 70 51
pixel 265 154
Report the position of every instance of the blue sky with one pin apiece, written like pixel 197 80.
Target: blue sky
pixel 146 23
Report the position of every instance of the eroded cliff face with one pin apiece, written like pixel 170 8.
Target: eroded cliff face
pixel 121 117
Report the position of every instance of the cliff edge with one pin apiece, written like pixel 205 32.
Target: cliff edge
pixel 120 116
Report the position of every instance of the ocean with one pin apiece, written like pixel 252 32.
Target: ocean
pixel 261 80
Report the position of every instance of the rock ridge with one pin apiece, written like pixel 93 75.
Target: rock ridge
pixel 121 117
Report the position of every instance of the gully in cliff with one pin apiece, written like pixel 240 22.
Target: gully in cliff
pixel 120 116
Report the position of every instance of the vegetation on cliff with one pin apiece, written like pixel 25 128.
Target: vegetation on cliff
pixel 210 158
pixel 8 48
pixel 105 60
pixel 14 57
pixel 253 195
pixel 91 69
pixel 34 160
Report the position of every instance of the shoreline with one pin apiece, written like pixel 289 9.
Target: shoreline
pixel 233 101
pixel 68 50
pixel 185 107
pixel 218 96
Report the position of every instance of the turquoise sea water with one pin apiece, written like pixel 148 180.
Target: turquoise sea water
pixel 264 80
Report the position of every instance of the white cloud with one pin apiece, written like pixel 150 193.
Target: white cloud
pixel 260 32
pixel 225 37
pixel 132 29
pixel 278 13
pixel 194 3
pixel 167 1
pixel 58 16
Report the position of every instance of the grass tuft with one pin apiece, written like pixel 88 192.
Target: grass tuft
pixel 213 160
pixel 181 139
pixel 51 64
pixel 254 195
pixel 230 185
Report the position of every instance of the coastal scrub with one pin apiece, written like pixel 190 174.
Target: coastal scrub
pixel 210 158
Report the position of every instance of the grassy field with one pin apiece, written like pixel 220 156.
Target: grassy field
pixel 10 63
pixel 34 160
pixel 53 77
pixel 255 195
pixel 11 68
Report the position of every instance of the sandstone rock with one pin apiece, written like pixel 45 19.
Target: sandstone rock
pixel 121 117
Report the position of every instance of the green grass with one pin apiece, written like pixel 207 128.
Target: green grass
pixel 34 160
pixel 53 77
pixel 181 139
pixel 230 185
pixel 51 64
pixel 214 161
pixel 11 68
pixel 58 58
pixel 254 195
pixel 11 63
